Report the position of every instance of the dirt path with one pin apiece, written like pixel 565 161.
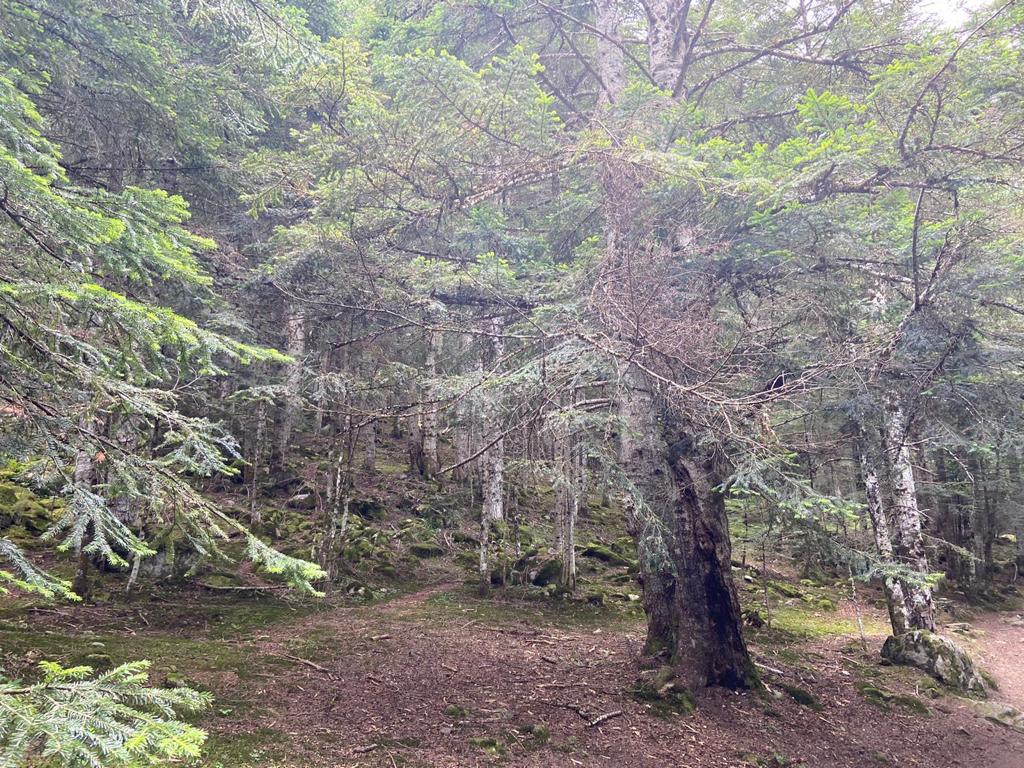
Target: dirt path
pixel 442 679
pixel 1001 646
pixel 439 678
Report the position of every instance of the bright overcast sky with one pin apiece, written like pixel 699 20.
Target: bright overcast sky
pixel 950 11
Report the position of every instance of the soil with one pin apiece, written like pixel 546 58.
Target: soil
pixel 440 677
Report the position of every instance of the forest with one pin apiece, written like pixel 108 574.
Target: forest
pixel 450 383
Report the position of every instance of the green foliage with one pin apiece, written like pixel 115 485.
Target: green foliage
pixel 70 717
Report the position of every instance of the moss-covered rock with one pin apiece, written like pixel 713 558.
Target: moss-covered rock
pixel 939 657
pixel 22 507
pixel 426 550
pixel 1002 714
pixel 784 589
pixel 547 572
pixel 605 554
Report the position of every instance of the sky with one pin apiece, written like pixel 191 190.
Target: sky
pixel 950 11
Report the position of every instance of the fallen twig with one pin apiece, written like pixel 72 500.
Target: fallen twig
pixel 606 716
pixel 307 662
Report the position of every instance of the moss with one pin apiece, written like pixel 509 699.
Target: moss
pixel 600 552
pixel 539 734
pixel 784 589
pixel 662 694
pixel 802 621
pixel 802 697
pixel 490 745
pixel 548 573
pixel 254 749
pixel 886 699
pixel 457 712
pixel 424 550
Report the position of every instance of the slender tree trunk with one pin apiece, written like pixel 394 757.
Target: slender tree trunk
pixel 83 477
pixel 566 508
pixel 908 540
pixel 256 465
pixel 370 448
pixel 295 346
pixel 493 480
pixel 428 413
pixel 895 599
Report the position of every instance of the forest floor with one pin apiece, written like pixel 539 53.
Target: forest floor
pixel 437 676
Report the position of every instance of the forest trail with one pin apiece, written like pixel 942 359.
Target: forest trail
pixel 439 677
pixel 1001 654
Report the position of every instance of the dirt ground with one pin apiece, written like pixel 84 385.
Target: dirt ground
pixel 441 678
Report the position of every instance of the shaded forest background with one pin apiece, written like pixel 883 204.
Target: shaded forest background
pixel 598 301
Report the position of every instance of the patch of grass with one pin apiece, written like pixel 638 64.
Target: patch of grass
pixel 490 745
pixel 253 749
pixel 803 621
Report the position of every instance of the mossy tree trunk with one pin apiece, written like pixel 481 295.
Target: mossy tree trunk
pixel 677 514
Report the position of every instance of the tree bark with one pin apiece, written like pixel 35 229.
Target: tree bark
pixel 895 599
pixel 428 413
pixel 908 541
pixel 295 346
pixel 493 480
pixel 678 518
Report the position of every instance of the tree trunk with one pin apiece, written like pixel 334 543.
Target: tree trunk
pixel 370 449
pixel 566 508
pixel 428 413
pixel 83 477
pixel 895 599
pixel 681 529
pixel 493 480
pixel 295 346
pixel 908 541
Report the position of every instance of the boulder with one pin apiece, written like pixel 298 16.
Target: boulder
pixel 1002 714
pixel 939 657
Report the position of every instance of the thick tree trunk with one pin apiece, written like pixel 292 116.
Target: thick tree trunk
pixel 895 599
pixel 908 541
pixel 680 524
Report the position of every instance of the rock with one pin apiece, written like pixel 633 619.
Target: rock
pixel 424 550
pixel 301 501
pixel 961 628
pixel 605 554
pixel 1002 714
pixel 548 573
pixel 939 657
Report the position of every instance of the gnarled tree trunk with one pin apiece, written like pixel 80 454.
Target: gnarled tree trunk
pixel 677 515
